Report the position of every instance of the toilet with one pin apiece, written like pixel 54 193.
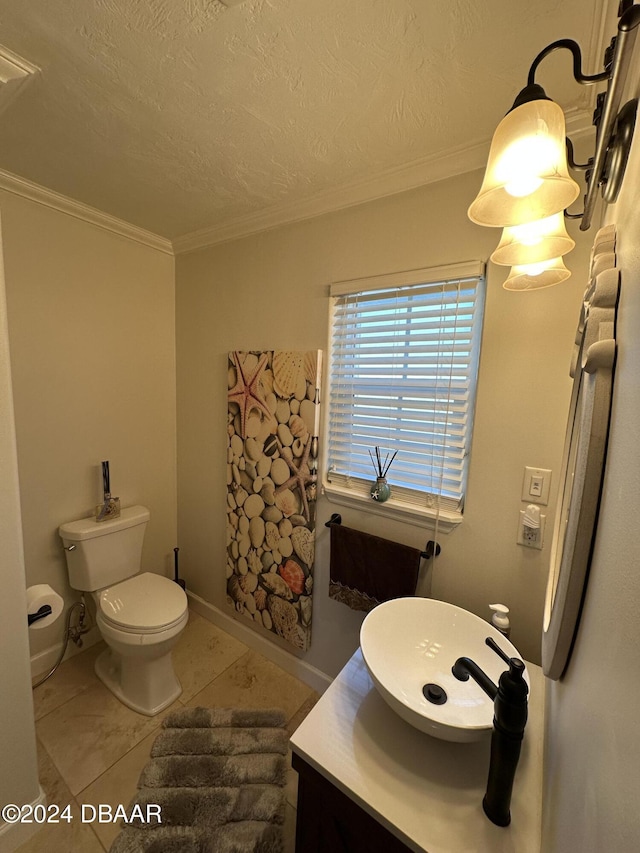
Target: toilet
pixel 139 614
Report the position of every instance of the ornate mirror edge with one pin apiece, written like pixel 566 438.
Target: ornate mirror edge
pixel 575 525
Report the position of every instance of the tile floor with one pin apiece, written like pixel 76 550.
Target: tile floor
pixel 91 748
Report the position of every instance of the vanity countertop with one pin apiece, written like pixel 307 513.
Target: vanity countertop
pixel 427 792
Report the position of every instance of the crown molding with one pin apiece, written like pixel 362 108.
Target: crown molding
pixel 40 195
pixel 428 170
pixel 390 182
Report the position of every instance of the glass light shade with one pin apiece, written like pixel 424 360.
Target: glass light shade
pixel 533 242
pixel 537 276
pixel 527 177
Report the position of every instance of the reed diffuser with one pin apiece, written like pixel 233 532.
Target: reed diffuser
pixel 380 490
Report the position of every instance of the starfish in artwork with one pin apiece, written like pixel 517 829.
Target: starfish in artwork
pixel 301 476
pixel 246 392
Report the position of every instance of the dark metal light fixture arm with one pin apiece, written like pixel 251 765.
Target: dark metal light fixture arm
pixel 574 47
pixel 576 167
pixel 627 29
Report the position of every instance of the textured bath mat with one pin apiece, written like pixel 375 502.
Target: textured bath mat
pixel 217 776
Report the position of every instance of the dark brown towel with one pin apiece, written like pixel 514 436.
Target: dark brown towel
pixel 366 570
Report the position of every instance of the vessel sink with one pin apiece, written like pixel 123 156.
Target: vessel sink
pixel 408 643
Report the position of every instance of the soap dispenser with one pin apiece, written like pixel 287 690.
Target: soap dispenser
pixel 500 619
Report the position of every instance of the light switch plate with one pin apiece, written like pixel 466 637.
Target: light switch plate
pixel 536 485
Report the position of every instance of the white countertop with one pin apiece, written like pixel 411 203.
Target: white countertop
pixel 427 792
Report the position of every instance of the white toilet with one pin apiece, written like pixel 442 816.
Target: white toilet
pixel 140 615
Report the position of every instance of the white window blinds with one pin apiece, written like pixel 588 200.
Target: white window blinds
pixel 403 369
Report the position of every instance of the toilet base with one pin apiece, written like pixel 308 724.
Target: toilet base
pixel 145 686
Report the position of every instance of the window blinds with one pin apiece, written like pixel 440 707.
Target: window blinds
pixel 403 370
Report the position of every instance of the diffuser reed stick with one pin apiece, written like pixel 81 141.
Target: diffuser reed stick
pixel 379 466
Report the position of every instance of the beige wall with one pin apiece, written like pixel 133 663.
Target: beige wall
pixel 271 290
pixel 91 328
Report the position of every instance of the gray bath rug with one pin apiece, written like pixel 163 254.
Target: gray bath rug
pixel 216 778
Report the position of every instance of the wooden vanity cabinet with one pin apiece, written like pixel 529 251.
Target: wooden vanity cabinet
pixel 329 822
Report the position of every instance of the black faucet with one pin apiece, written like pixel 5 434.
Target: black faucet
pixel 509 720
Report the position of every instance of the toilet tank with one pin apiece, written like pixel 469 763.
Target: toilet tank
pixel 106 552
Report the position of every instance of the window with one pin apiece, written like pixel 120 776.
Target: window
pixel 403 369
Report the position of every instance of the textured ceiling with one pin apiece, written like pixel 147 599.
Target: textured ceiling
pixel 181 115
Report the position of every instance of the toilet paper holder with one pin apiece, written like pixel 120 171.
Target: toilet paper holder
pixel 45 610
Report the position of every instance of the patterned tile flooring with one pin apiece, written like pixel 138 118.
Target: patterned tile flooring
pixel 91 748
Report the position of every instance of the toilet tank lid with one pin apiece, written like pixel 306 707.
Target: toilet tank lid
pixel 89 528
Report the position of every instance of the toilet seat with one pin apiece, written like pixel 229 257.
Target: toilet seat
pixel 143 604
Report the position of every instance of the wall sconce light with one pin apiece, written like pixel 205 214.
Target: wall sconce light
pixel 533 242
pixel 537 276
pixel 527 186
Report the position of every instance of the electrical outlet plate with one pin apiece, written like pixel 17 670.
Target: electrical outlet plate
pixel 525 536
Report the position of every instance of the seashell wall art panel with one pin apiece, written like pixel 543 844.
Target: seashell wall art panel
pixel 273 422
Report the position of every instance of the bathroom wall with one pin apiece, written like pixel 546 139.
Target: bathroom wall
pixel 592 743
pixel 91 328
pixel 271 290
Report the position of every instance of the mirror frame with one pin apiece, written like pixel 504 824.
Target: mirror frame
pixel 583 460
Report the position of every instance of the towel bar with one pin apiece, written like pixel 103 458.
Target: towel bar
pixel 432 549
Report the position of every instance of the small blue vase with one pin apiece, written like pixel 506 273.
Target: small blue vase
pixel 380 490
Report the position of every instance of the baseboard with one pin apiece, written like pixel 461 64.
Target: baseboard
pixel 43 661
pixel 312 676
pixel 13 835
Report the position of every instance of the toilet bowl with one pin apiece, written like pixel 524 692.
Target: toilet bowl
pixel 141 620
pixel 139 614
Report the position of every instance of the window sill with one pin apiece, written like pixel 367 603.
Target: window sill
pixel 397 510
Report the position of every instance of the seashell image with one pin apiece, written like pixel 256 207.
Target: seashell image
pixel 293 576
pixel 235 591
pixel 288 366
pixel 311 366
pixel 275 584
pixel 285 620
pixel 272 535
pixel 248 583
pixel 287 502
pixel 304 544
pixel 298 427
pixel 271 474
pixel 254 562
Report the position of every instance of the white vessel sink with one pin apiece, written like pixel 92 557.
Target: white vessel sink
pixel 409 642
